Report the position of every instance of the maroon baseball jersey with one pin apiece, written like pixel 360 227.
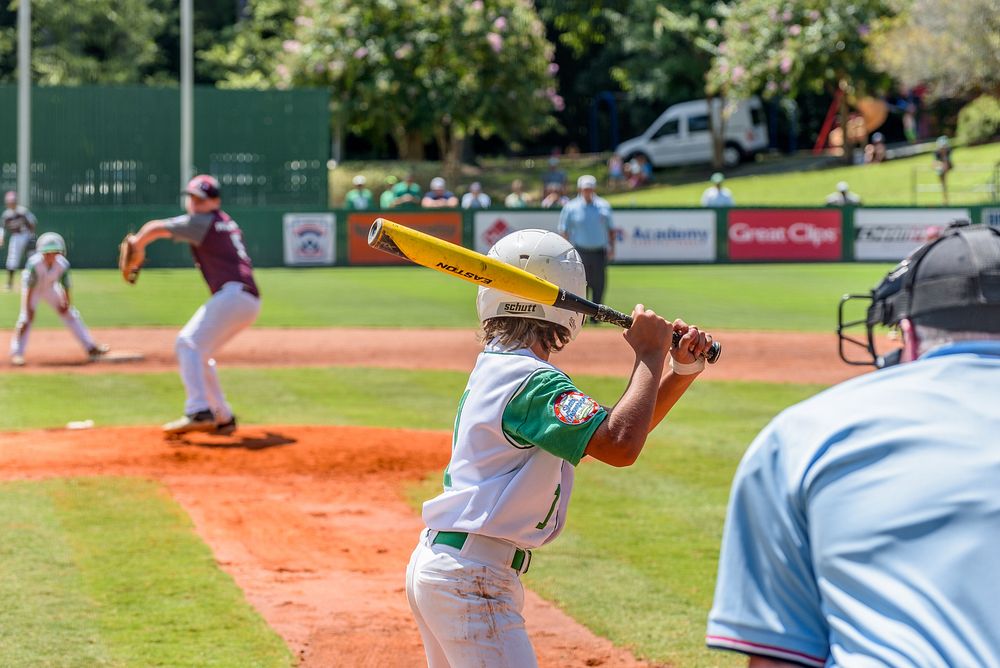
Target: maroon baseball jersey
pixel 217 246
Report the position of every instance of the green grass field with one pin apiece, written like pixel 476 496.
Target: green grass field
pixel 762 297
pixel 888 183
pixel 636 563
pixel 109 572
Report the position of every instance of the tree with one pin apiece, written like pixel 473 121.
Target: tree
pixel 638 47
pixel 700 32
pixel 100 41
pixel 796 45
pixel 417 70
pixel 247 52
pixel 953 47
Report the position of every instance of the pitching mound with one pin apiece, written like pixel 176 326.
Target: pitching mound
pixel 311 524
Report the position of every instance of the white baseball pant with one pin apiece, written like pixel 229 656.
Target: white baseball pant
pixel 56 297
pixel 17 243
pixel 468 609
pixel 228 312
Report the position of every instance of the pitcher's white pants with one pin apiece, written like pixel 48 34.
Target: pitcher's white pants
pixel 55 296
pixel 223 316
pixel 17 243
pixel 468 612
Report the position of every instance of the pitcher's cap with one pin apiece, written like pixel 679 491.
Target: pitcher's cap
pixel 586 181
pixel 203 186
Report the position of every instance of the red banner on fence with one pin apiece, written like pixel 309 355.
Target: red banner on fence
pixel 445 225
pixel 785 234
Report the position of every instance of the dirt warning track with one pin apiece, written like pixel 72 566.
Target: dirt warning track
pixel 781 357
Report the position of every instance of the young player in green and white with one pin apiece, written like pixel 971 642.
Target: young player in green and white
pixel 46 277
pixel 522 427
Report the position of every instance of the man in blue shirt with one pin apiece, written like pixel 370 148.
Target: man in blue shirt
pixel 864 524
pixel 585 222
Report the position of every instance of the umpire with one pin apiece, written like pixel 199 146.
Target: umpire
pixel 585 222
pixel 864 524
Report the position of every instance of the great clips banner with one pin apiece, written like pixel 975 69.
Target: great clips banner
pixel 785 234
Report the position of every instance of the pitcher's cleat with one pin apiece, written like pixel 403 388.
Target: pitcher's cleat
pixel 98 351
pixel 202 421
pixel 17 360
pixel 226 428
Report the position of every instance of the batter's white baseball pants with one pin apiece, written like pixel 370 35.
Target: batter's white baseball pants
pixel 468 605
pixel 17 243
pixel 223 316
pixel 55 296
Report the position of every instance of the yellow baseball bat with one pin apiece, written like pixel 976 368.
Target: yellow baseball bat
pixel 454 260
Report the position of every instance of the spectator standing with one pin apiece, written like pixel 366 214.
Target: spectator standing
pixel 407 192
pixel 554 176
pixel 717 194
pixel 942 164
pixel 910 122
pixel 843 196
pixel 476 198
pixel 863 525
pixel 438 197
pixel 875 150
pixel 516 199
pixel 18 227
pixel 359 197
pixel 554 197
pixel 388 198
pixel 586 223
pixel 616 172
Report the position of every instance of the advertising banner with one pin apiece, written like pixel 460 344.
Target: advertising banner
pixel 488 227
pixel 785 234
pixel 640 236
pixel 991 217
pixel 664 236
pixel 445 225
pixel 892 234
pixel 310 239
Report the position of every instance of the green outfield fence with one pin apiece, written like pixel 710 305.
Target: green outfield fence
pixel 99 146
pixel 92 233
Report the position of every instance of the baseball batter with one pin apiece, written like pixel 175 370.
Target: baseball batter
pixel 521 428
pixel 18 227
pixel 217 246
pixel 46 278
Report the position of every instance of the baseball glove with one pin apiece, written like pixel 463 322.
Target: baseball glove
pixel 130 260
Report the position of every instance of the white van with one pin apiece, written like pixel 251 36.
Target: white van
pixel 681 135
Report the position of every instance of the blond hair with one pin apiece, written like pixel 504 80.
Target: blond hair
pixel 525 332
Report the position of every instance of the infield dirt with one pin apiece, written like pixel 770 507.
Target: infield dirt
pixel 310 521
pixel 779 357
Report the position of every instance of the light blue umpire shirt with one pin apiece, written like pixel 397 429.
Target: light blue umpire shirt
pixel 864 523
pixel 586 226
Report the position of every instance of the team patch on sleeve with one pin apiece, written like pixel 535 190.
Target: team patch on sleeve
pixel 575 407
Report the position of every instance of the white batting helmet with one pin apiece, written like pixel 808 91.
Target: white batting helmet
pixel 546 255
pixel 50 242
